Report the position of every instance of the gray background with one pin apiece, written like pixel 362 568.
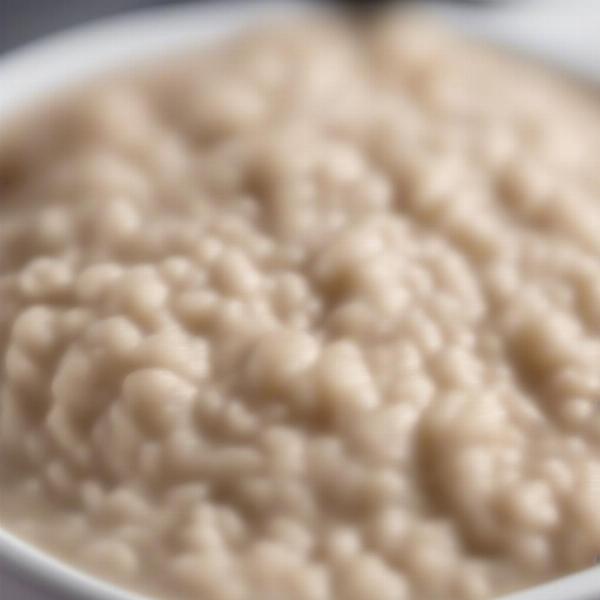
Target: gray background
pixel 24 20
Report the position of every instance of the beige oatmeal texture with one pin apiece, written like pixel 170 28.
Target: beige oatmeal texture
pixel 309 316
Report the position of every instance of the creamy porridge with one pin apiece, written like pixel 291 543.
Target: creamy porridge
pixel 309 316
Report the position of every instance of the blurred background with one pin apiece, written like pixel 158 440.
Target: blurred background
pixel 24 20
pixel 565 32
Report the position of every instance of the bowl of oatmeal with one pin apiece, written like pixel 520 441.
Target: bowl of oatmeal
pixel 302 313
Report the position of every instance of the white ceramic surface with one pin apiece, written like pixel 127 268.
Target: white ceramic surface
pixel 563 32
pixel 61 60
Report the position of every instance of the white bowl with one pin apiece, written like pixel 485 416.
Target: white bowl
pixel 68 58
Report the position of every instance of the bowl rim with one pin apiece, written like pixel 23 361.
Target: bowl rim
pixel 76 54
pixel 89 50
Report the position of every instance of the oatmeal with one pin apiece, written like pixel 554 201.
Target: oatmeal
pixel 307 316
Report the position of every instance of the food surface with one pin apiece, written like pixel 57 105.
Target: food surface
pixel 312 315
